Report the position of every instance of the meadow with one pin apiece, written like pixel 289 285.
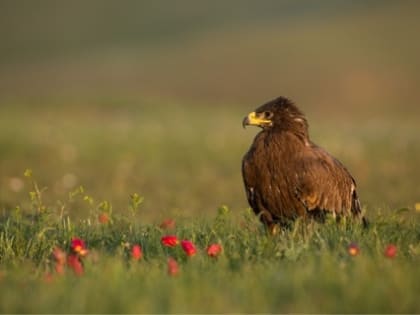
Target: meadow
pixel 327 268
pixel 125 127
pixel 103 162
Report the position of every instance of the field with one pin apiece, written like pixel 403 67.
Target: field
pixel 106 132
pixel 187 172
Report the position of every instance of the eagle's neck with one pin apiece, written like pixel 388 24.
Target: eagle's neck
pixel 297 127
pixel 286 137
pixel 279 146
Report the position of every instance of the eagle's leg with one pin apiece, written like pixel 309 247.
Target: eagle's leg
pixel 274 228
pixel 318 215
pixel 267 219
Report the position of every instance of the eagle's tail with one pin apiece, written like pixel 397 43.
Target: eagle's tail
pixel 356 209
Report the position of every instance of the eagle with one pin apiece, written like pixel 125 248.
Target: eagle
pixel 287 176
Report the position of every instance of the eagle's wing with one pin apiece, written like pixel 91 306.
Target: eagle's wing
pixel 249 182
pixel 253 191
pixel 323 183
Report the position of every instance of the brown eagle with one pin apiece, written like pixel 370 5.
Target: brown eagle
pixel 287 176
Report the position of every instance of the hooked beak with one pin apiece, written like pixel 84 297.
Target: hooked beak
pixel 253 119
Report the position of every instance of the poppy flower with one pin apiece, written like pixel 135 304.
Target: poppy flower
pixel 78 246
pixel 75 264
pixel 168 224
pixel 214 250
pixel 136 252
pixel 103 218
pixel 353 249
pixel 390 251
pixel 169 240
pixel 189 248
pixel 173 267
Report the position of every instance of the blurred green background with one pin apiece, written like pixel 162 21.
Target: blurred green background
pixel 148 97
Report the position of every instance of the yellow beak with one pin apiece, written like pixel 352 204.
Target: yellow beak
pixel 255 120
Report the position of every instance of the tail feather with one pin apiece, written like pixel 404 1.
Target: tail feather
pixel 356 209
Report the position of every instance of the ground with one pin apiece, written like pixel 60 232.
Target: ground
pixel 185 172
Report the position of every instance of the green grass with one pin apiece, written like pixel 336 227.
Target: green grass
pixel 185 161
pixel 305 269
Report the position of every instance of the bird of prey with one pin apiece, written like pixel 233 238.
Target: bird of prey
pixel 287 176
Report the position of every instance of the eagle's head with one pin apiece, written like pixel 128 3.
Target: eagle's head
pixel 278 114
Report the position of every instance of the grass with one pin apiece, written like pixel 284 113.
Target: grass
pixel 304 269
pixel 180 160
pixel 185 161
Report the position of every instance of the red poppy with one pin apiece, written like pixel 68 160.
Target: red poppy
pixel 78 246
pixel 169 240
pixel 173 268
pixel 74 263
pixel 214 250
pixel 168 224
pixel 390 251
pixel 136 252
pixel 353 249
pixel 103 218
pixel 189 248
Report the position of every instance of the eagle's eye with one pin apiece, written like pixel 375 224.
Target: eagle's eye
pixel 267 115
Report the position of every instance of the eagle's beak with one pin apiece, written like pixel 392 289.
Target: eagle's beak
pixel 245 122
pixel 254 120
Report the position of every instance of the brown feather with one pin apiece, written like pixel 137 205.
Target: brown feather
pixel 287 176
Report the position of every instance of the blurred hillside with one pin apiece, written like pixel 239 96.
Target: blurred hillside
pixel 341 55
